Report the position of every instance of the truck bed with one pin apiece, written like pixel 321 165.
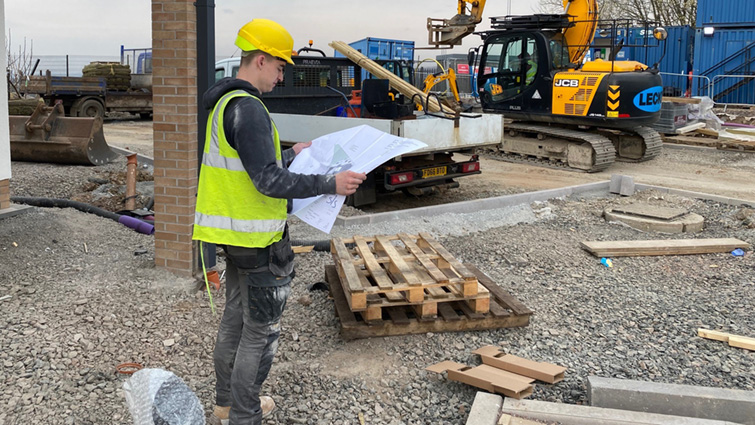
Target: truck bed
pixel 439 134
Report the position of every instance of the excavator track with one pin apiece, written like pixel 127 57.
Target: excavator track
pixel 641 144
pixel 557 147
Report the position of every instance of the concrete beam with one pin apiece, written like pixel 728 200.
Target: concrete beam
pixel 572 414
pixel 485 409
pixel 15 209
pixel 671 399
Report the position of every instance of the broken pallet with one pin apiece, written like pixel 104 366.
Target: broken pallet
pixel 662 247
pixel 505 312
pixel 387 271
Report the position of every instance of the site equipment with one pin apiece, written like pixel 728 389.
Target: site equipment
pixel 93 96
pixel 48 136
pixel 568 113
pixel 313 100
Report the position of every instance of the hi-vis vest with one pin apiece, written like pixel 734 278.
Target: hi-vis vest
pixel 230 210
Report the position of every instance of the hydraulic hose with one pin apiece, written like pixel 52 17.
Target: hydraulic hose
pixel 134 223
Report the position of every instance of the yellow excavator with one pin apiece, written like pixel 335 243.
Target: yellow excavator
pixel 566 112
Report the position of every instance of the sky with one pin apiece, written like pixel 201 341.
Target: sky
pixel 100 27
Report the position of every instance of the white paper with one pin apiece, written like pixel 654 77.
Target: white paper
pixel 360 149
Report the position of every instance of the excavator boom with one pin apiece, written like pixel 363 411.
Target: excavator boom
pixel 579 37
pixel 444 33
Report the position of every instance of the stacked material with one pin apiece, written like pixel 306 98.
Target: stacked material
pixel 118 76
pixel 673 116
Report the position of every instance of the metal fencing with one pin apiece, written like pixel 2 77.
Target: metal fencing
pixel 734 89
pixel 463 82
pixel 685 85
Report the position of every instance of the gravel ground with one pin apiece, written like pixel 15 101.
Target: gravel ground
pixel 85 296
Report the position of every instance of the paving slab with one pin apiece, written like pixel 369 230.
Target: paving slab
pixel 722 404
pixel 14 209
pixel 485 409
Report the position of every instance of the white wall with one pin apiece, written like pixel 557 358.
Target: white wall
pixel 4 130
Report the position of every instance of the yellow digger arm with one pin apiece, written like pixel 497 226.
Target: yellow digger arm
pixel 449 32
pixel 434 79
pixel 579 37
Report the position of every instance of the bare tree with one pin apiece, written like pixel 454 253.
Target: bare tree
pixel 20 64
pixel 664 12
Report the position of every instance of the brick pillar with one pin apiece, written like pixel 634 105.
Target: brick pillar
pixel 174 82
pixel 4 194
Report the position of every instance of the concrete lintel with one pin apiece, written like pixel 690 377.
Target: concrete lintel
pixel 698 195
pixel 141 159
pixel 15 209
pixel 672 399
pixel 473 205
pixel 571 414
pixel 485 409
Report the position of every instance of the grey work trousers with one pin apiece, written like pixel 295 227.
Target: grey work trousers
pixel 247 337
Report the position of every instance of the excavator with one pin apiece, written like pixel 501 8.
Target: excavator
pixel 567 112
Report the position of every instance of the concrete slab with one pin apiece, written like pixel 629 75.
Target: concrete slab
pixel 15 209
pixel 688 223
pixel 485 409
pixel 627 186
pixel 671 399
pixel 571 414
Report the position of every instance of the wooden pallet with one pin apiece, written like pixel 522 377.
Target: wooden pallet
pixel 711 142
pixel 505 312
pixel 417 271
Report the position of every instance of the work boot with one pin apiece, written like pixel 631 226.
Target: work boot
pixel 220 415
pixel 268 406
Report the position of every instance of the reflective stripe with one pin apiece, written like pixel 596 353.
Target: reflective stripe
pixel 237 225
pixel 216 160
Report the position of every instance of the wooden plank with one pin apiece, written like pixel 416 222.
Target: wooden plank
pixel 732 339
pixel 469 311
pixel 375 297
pixel 742 342
pixel 344 313
pixel 443 252
pixel 423 258
pixel 397 262
pixel 662 247
pixel 298 249
pixel 689 128
pixel 343 258
pixel 707 132
pixel 715 335
pixel 447 312
pixel 397 315
pixel 500 294
pixel 687 100
pixel 377 272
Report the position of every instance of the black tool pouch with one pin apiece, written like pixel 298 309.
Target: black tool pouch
pixel 282 257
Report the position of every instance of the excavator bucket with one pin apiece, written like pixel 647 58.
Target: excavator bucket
pixel 48 136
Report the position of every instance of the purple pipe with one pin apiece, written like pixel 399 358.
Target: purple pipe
pixel 137 225
pixel 733 124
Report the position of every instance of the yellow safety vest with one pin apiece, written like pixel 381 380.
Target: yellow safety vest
pixel 230 210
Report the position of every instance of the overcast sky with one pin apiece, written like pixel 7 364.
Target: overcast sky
pixel 100 27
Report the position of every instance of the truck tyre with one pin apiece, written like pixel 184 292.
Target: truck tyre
pixel 91 108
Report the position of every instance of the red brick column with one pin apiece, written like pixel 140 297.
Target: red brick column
pixel 4 194
pixel 174 82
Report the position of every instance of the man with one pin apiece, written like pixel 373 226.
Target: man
pixel 242 204
pixel 530 67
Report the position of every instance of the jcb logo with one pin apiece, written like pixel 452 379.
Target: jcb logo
pixel 566 83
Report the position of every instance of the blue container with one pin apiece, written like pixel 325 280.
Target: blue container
pixel 728 51
pixel 679 47
pixel 731 13
pixel 382 49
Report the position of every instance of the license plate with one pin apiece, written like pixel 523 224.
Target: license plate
pixel 433 172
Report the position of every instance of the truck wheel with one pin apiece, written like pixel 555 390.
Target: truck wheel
pixel 91 108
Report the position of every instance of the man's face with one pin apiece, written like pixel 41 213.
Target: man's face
pixel 272 73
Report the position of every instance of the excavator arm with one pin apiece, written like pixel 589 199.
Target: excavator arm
pixel 444 33
pixel 579 37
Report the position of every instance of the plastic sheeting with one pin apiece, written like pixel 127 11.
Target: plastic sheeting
pixel 158 397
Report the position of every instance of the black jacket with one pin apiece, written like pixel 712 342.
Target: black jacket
pixel 248 130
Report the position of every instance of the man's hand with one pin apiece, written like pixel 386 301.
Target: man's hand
pixel 347 182
pixel 301 146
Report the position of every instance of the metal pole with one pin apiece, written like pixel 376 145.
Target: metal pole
pixel 508 8
pixel 67 66
pixel 205 78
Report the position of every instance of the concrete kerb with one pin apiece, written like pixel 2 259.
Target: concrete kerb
pixel 141 159
pixel 485 409
pixel 599 188
pixel 672 399
pixel 15 209
pixel 474 205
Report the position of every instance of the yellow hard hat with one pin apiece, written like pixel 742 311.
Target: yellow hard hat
pixel 268 36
